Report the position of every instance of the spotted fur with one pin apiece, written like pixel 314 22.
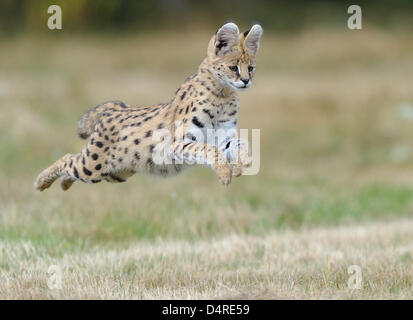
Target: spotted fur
pixel 121 138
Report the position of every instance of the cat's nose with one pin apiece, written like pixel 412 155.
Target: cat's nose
pixel 245 81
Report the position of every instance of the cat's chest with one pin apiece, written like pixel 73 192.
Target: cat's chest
pixel 221 113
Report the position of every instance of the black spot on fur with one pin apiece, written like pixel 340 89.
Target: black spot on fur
pixel 83 135
pixel 148 134
pixel 87 172
pixel 99 144
pixel 137 141
pixel 191 137
pixel 137 155
pixel 246 33
pixel 98 167
pixel 120 103
pixel 208 113
pixel 183 95
pixel 150 164
pixel 75 172
pixel 196 122
pixel 95 155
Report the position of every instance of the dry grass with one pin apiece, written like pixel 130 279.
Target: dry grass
pixel 291 264
pixel 335 112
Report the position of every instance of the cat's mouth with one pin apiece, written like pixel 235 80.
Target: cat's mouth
pixel 240 86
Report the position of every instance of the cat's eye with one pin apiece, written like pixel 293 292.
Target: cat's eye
pixel 250 68
pixel 233 68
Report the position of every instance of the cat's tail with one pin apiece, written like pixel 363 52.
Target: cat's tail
pixel 90 118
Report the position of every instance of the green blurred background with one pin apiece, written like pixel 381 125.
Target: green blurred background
pixel 334 107
pixel 18 16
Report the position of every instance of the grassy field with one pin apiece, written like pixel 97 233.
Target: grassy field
pixel 335 189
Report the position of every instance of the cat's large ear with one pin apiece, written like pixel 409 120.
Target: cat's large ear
pixel 226 37
pixel 252 39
